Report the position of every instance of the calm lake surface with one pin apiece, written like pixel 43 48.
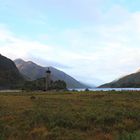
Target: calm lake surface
pixel 90 89
pixel 108 89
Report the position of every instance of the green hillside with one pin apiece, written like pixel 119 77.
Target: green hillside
pixel 129 81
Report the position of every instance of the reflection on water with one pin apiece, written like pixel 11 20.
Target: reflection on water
pixel 107 89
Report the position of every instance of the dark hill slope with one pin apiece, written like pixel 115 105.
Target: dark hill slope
pixel 9 74
pixel 129 81
pixel 34 71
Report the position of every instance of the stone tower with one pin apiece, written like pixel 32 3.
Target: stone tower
pixel 48 79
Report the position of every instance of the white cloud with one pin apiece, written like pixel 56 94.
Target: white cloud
pixel 106 50
pixel 15 47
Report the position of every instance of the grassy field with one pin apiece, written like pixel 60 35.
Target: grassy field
pixel 70 116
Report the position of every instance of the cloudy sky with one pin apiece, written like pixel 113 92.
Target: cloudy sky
pixel 94 41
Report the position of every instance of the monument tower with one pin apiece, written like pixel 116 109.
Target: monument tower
pixel 48 79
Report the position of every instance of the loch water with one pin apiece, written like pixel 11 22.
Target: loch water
pixel 107 89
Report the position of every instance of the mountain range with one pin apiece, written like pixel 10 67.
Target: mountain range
pixel 128 81
pixel 14 74
pixel 33 71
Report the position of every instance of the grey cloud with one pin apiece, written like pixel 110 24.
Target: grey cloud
pixel 45 62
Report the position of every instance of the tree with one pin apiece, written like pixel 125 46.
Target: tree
pixel 59 84
pixel 39 84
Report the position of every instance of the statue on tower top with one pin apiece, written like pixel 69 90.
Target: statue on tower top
pixel 48 71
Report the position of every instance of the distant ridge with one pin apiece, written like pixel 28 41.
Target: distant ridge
pixel 9 74
pixel 33 71
pixel 128 81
